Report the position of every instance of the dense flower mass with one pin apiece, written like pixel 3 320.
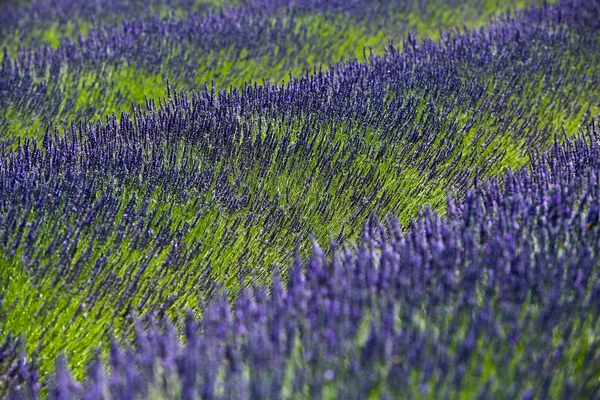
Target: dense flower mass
pixel 90 75
pixel 507 282
pixel 142 174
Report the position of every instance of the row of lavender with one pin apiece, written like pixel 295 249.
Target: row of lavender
pixel 94 74
pixel 135 215
pixel 17 19
pixel 498 299
pixel 20 19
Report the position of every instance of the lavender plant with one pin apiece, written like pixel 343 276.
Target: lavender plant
pixel 192 195
pixel 54 20
pixel 34 22
pixel 101 69
pixel 137 213
pixel 467 305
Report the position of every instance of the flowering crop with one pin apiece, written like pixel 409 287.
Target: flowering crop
pixel 105 222
pixel 507 282
pixel 110 66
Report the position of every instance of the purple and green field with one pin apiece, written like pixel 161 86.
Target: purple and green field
pixel 299 199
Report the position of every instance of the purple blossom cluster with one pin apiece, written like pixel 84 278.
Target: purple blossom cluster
pixel 74 207
pixel 515 50
pixel 17 19
pixel 94 186
pixel 505 284
pixel 196 195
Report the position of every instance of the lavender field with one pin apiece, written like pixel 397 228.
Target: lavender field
pixel 299 199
